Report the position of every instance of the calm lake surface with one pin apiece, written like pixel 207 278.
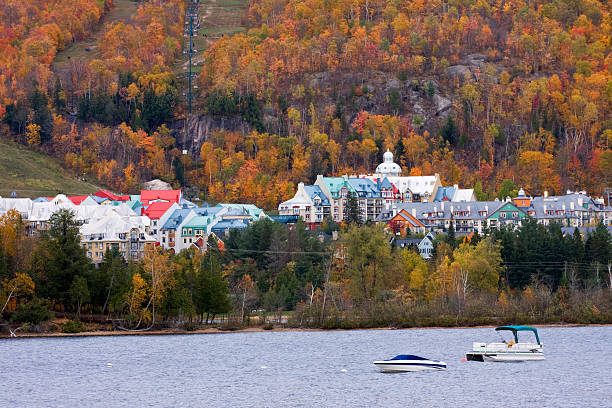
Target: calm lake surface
pixel 302 369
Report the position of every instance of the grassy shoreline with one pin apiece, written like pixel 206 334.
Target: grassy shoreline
pixel 259 329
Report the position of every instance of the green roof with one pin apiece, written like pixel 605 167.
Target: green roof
pixel 198 222
pixel 334 184
pixel 251 209
pixel 515 329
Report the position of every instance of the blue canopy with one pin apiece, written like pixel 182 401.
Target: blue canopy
pixel 515 329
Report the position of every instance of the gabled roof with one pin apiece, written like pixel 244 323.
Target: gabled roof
pixel 77 200
pixel 147 196
pixel 406 216
pixel 314 191
pixel 252 210
pixel 176 218
pixel 464 194
pixel 111 196
pixel 386 184
pixel 445 194
pixel 229 224
pixel 364 187
pixel 335 184
pixel 505 204
pixel 200 221
pixel 157 209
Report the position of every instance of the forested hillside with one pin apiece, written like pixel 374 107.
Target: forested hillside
pixel 477 90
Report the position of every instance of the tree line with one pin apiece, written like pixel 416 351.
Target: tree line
pixel 269 271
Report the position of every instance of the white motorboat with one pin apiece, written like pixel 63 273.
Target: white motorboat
pixel 508 351
pixel 406 362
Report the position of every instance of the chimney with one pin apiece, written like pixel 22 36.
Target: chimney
pixel 451 209
pixel 487 208
pixel 544 208
pixel 469 212
pixel 571 205
pixel 580 201
pixel 456 187
pixel 414 212
pixel 442 204
pixel 545 193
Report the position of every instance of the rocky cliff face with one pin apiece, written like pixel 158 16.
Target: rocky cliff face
pixel 190 133
pixel 428 102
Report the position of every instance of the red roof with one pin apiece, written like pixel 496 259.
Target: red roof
pixel 155 210
pixel 77 200
pixel 111 196
pixel 146 196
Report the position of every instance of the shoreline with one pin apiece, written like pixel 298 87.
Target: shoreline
pixel 260 329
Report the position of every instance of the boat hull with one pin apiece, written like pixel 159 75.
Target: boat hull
pixel 503 352
pixel 504 357
pixel 409 366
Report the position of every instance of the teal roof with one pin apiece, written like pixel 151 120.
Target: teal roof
pixel 252 210
pixel 199 222
pixel 334 184
pixel 515 329
pixel 133 204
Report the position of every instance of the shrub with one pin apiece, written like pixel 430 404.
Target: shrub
pixel 268 326
pixel 73 326
pixel 33 312
pixel 191 326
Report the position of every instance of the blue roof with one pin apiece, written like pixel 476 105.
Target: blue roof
pixel 176 218
pixel 385 183
pixel 314 191
pixel 365 188
pixel 41 200
pixel 99 199
pixel 445 192
pixel 229 224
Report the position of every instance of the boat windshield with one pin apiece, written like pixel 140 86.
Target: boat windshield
pixel 407 357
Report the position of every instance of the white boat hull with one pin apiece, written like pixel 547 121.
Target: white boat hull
pixel 401 366
pixel 513 357
pixel 502 352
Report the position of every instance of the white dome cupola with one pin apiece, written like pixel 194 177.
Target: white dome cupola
pixel 388 167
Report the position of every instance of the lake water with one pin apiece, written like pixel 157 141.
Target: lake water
pixel 302 369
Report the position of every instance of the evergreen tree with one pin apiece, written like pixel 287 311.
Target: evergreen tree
pixel 59 96
pixel 42 115
pixel 352 213
pixel 63 257
pixel 598 245
pixel 451 239
pixel 212 295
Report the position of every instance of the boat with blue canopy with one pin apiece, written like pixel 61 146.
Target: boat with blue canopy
pixel 409 362
pixel 511 350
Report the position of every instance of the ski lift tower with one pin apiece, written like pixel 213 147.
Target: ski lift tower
pixel 191 29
